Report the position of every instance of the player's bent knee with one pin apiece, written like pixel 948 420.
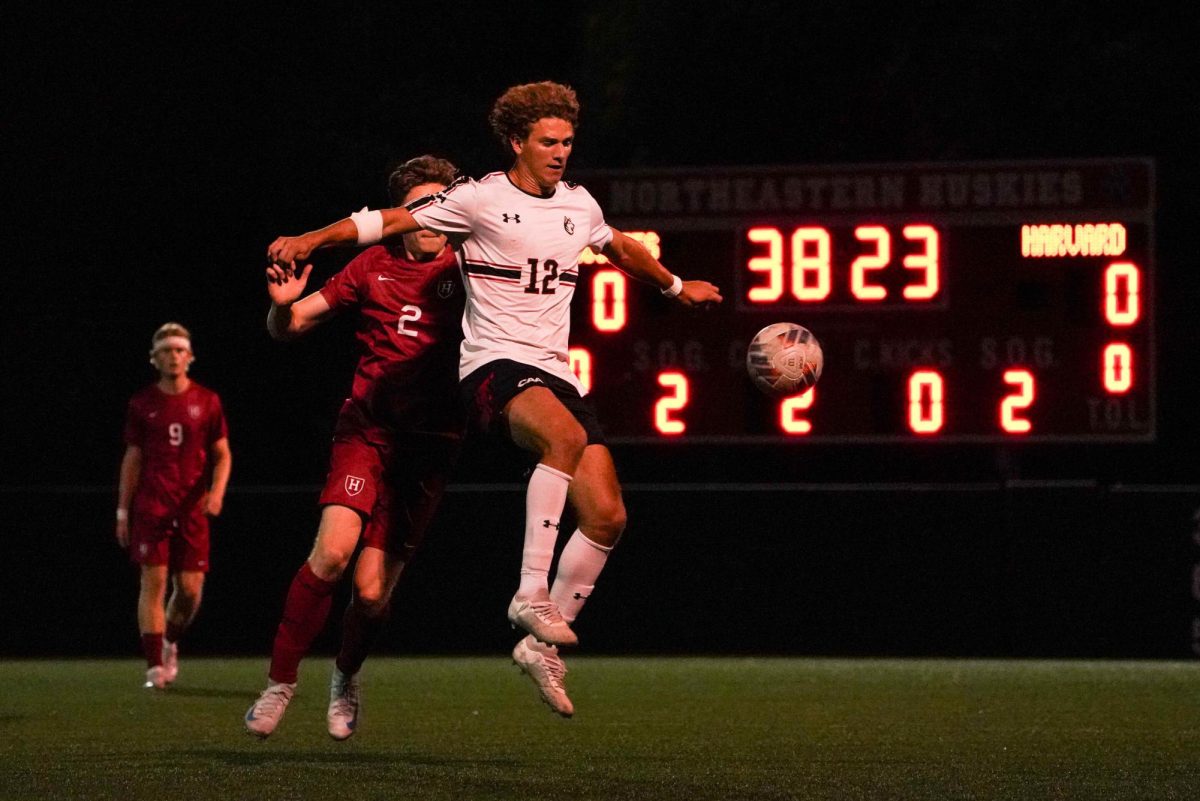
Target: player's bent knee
pixel 189 597
pixel 373 603
pixel 329 563
pixel 568 442
pixel 604 525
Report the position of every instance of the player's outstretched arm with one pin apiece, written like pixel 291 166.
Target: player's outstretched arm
pixel 361 228
pixel 633 258
pixel 289 316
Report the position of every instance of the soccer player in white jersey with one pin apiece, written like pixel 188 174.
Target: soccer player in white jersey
pixel 519 235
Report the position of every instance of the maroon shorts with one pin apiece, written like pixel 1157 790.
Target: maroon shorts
pixel 180 542
pixel 396 486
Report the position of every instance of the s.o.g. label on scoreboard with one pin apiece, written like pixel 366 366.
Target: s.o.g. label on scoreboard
pixel 955 302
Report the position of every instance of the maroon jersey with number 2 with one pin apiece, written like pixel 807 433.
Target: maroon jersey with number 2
pixel 411 328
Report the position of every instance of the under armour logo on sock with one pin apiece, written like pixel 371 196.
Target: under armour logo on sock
pixel 548 524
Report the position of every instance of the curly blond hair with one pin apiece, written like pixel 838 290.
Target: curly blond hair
pixel 515 112
pixel 416 171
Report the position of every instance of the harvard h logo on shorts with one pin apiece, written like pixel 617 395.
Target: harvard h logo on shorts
pixel 354 485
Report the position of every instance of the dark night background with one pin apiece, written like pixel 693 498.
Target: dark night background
pixel 151 157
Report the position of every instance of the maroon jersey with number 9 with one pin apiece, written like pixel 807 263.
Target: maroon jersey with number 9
pixel 175 434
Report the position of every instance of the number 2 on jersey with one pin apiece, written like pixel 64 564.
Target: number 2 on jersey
pixel 408 314
pixel 551 267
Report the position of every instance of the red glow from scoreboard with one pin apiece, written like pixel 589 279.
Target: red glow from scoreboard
pixel 955 303
pixel 580 362
pixel 790 420
pixel 1122 293
pixel 873 261
pixel 1118 368
pixel 926 261
pixel 810 256
pixel 926 413
pixel 609 310
pixel 770 264
pixel 811 274
pixel 1019 401
pixel 677 400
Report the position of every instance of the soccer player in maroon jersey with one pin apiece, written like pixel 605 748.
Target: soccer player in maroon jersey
pixel 173 477
pixel 394 443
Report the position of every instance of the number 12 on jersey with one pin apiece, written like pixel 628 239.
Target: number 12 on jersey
pixel 550 268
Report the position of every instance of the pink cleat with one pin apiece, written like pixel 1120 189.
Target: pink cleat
pixel 543 665
pixel 539 616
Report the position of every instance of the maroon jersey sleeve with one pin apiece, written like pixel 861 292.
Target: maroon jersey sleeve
pixel 135 432
pixel 217 427
pixel 345 288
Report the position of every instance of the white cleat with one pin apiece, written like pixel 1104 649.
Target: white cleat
pixel 156 678
pixel 545 667
pixel 264 715
pixel 170 661
pixel 344 700
pixel 539 616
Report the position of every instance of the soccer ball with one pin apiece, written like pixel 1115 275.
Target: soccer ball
pixel 784 358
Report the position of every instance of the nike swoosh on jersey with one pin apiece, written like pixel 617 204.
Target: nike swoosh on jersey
pixel 384 278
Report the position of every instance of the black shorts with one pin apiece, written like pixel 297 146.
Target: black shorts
pixel 487 390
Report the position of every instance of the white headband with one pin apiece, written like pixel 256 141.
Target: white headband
pixel 172 342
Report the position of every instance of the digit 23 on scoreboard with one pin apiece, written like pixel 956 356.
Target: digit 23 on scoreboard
pixel 969 302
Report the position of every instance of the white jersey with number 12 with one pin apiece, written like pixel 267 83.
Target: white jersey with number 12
pixel 520 260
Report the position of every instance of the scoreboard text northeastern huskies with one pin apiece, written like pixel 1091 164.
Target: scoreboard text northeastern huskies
pixel 969 302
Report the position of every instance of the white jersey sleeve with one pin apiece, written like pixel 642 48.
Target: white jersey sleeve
pixel 451 211
pixel 599 234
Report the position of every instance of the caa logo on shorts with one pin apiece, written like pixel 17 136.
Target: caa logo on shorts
pixel 354 484
pixel 530 380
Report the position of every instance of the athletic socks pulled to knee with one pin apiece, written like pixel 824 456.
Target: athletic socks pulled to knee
pixel 578 568
pixel 152 646
pixel 304 614
pixel 359 632
pixel 175 630
pixel 544 501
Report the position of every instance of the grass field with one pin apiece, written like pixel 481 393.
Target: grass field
pixel 646 729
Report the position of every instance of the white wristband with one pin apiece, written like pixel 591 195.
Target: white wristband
pixel 675 288
pixel 369 225
pixel 122 515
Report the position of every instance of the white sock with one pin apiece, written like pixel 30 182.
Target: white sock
pixel 544 501
pixel 578 568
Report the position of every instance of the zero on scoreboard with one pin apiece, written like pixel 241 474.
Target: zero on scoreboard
pixel 965 302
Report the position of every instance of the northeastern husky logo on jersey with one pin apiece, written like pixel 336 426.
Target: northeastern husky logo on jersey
pixel 568 226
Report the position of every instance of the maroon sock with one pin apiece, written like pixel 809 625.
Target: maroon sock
pixel 152 648
pixel 359 631
pixel 304 615
pixel 174 631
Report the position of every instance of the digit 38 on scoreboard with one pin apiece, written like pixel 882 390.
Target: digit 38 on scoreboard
pixel 961 302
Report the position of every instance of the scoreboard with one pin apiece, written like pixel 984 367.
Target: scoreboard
pixel 955 302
